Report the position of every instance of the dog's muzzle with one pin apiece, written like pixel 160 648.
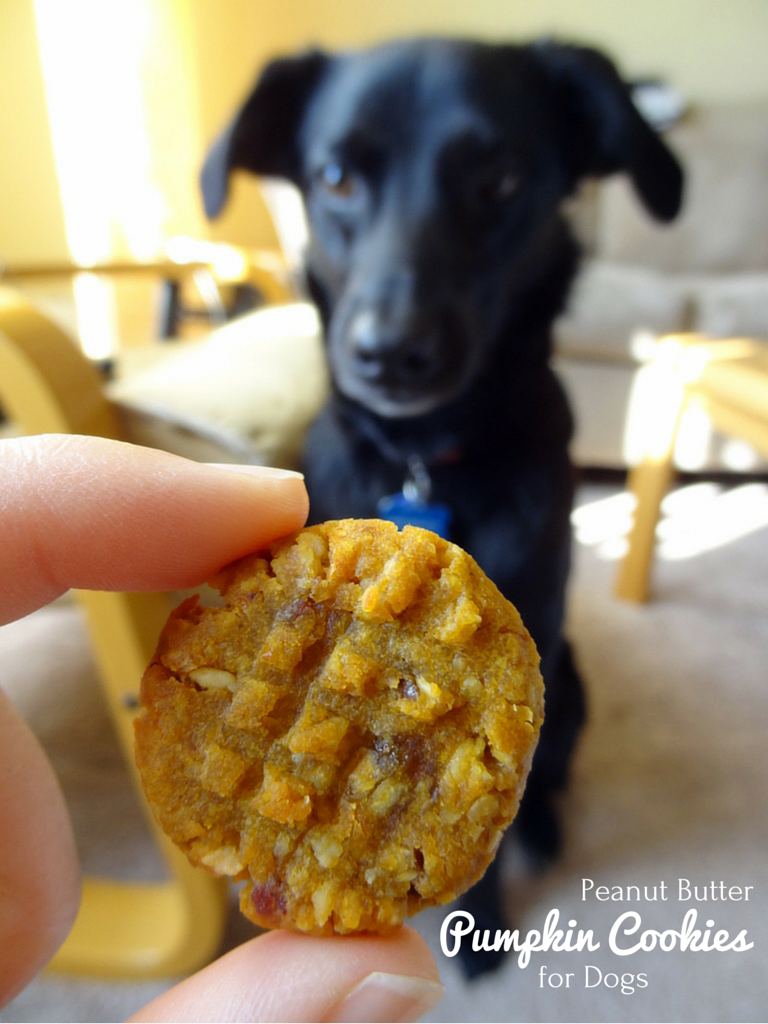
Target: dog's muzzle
pixel 396 369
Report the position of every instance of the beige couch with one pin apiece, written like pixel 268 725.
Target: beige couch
pixel 707 272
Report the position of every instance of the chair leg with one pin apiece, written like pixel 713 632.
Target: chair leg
pixel 170 309
pixel 124 929
pixel 648 482
pixel 141 931
pixel 662 386
pixel 131 929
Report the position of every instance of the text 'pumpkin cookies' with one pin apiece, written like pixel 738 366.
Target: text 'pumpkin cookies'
pixel 350 735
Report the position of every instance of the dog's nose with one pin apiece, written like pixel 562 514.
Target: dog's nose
pixel 392 354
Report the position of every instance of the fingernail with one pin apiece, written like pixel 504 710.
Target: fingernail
pixel 271 471
pixel 388 997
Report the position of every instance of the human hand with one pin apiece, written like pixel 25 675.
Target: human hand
pixel 101 515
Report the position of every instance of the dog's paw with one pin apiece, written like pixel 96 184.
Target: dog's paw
pixel 539 833
pixel 477 965
pixel 488 925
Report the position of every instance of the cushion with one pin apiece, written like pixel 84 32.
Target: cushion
pixel 247 392
pixel 731 306
pixel 611 302
pixel 724 222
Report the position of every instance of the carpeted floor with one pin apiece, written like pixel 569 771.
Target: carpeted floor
pixel 671 784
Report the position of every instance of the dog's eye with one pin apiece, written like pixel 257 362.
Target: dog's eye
pixel 497 187
pixel 337 180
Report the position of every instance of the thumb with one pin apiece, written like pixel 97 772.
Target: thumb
pixel 284 976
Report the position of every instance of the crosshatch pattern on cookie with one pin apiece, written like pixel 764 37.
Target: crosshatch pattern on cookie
pixel 350 734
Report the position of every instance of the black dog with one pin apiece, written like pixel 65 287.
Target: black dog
pixel 433 173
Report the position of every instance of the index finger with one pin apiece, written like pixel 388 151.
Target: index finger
pixel 97 514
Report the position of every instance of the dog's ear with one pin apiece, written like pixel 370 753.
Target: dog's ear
pixel 605 130
pixel 262 136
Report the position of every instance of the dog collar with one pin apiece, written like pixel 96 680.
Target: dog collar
pixel 412 506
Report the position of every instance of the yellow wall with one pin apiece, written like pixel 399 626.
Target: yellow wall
pixel 31 215
pixel 709 49
pixel 210 50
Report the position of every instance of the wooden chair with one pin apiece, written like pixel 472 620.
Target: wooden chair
pixel 221 276
pixel 123 929
pixel 728 379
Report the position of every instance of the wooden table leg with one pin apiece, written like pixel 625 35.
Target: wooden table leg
pixel 650 479
pixel 648 483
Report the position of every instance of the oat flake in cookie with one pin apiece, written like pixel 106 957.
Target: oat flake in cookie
pixel 350 735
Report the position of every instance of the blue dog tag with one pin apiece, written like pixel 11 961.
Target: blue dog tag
pixel 404 511
pixel 412 507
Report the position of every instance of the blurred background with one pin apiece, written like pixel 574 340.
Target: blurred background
pixel 107 108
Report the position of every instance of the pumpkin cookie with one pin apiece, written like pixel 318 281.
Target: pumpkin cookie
pixel 350 734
